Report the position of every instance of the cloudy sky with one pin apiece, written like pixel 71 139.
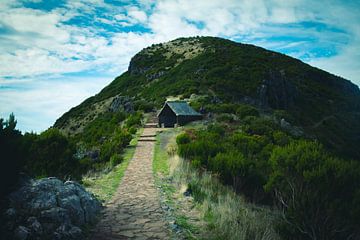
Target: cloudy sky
pixel 56 53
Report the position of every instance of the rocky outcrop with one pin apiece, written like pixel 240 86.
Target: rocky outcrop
pixel 277 91
pixel 122 103
pixel 50 209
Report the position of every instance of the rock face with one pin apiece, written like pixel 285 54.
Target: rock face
pixel 50 209
pixel 122 103
pixel 277 91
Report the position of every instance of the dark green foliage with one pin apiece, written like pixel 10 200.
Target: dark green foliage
pixel 11 156
pixel 143 105
pixel 50 154
pixel 116 159
pixel 318 193
pixel 244 110
pixel 114 145
pixel 239 159
pixel 101 127
pixel 183 138
pixel 134 120
pixel 232 73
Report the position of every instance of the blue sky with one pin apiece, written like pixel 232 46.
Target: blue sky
pixel 56 53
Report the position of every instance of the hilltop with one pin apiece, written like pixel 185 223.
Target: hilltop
pixel 324 106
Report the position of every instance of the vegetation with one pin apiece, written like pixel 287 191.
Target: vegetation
pixel 216 212
pixel 316 191
pixel 11 156
pixel 51 153
pixel 227 73
pixel 104 183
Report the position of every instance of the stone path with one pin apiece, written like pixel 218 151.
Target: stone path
pixel 135 212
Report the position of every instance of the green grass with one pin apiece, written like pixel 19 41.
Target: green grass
pixel 160 161
pixel 104 184
pixel 227 215
pixel 161 170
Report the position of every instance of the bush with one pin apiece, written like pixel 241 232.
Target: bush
pixel 11 155
pixel 134 120
pixel 244 110
pixel 115 159
pixel 318 193
pixel 51 154
pixel 132 130
pixel 143 105
pixel 225 117
pixel 183 138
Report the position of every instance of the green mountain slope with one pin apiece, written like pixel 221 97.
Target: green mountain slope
pixel 323 105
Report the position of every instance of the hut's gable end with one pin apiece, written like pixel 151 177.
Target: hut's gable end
pixel 167 117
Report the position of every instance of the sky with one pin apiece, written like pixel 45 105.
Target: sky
pixel 56 53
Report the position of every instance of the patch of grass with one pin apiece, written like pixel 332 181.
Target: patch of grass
pixel 162 171
pixel 104 184
pixel 160 161
pixel 227 214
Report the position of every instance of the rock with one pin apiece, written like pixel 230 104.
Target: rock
pixel 72 204
pixel 55 215
pixel 34 225
pixel 122 103
pixel 50 209
pixel 21 233
pixel 42 201
pixel 68 232
pixel 284 124
pixel 293 130
pixel 277 91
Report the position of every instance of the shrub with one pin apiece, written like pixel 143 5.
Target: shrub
pixel 115 159
pixel 11 156
pixel 134 120
pixel 132 130
pixel 51 154
pixel 225 117
pixel 244 110
pixel 318 193
pixel 183 138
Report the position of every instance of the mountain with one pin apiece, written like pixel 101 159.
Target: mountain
pixel 324 106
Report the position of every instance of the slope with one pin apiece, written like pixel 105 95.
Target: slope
pixel 325 106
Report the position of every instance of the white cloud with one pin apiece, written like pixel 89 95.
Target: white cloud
pixel 136 14
pixel 43 43
pixel 39 103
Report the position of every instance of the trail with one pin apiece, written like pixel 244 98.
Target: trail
pixel 135 212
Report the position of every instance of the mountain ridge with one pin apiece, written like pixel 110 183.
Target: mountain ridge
pixel 324 105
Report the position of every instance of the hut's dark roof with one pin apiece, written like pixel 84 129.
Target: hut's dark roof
pixel 182 108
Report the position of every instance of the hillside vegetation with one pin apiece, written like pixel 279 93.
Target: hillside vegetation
pixel 325 106
pixel 276 131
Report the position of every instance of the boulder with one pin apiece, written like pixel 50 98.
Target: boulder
pixel 122 103
pixel 50 209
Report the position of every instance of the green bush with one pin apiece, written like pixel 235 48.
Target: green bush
pixel 244 110
pixel 51 154
pixel 183 138
pixel 225 117
pixel 318 193
pixel 134 120
pixel 11 155
pixel 132 130
pixel 115 159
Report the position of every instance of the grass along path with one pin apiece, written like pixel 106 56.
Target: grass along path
pixel 104 184
pixel 199 206
pixel 180 210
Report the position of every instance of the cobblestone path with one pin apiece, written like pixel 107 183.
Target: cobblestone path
pixel 135 212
